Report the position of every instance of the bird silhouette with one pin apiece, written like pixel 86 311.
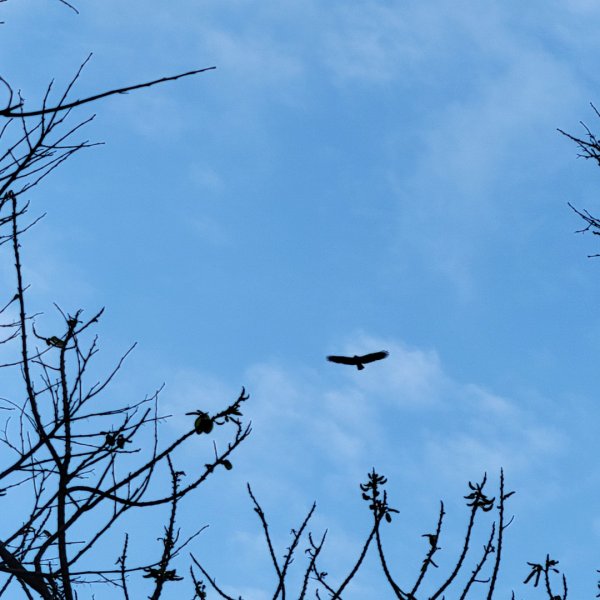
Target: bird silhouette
pixel 55 341
pixel 358 361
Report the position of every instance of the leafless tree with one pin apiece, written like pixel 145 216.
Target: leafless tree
pixel 74 464
pixel 471 573
pixel 589 148
pixel 458 581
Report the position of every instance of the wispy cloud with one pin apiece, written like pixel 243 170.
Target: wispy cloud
pixel 371 43
pixel 406 406
pixel 469 162
pixel 316 434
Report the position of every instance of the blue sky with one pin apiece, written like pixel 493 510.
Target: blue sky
pixel 352 177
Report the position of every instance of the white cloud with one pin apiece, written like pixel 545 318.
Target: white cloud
pixel 404 413
pixel 255 61
pixel 370 43
pixel 413 377
pixel 473 158
pixel 206 178
pixel 485 432
pixel 210 230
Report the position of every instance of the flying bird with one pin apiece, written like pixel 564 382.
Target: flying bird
pixel 358 361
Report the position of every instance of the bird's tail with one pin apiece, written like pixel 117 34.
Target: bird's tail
pixel 360 367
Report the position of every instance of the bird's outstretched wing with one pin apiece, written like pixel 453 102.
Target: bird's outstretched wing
pixel 343 360
pixel 367 358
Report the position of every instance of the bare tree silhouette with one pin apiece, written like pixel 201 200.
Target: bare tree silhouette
pixel 589 148
pixel 457 582
pixel 73 465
